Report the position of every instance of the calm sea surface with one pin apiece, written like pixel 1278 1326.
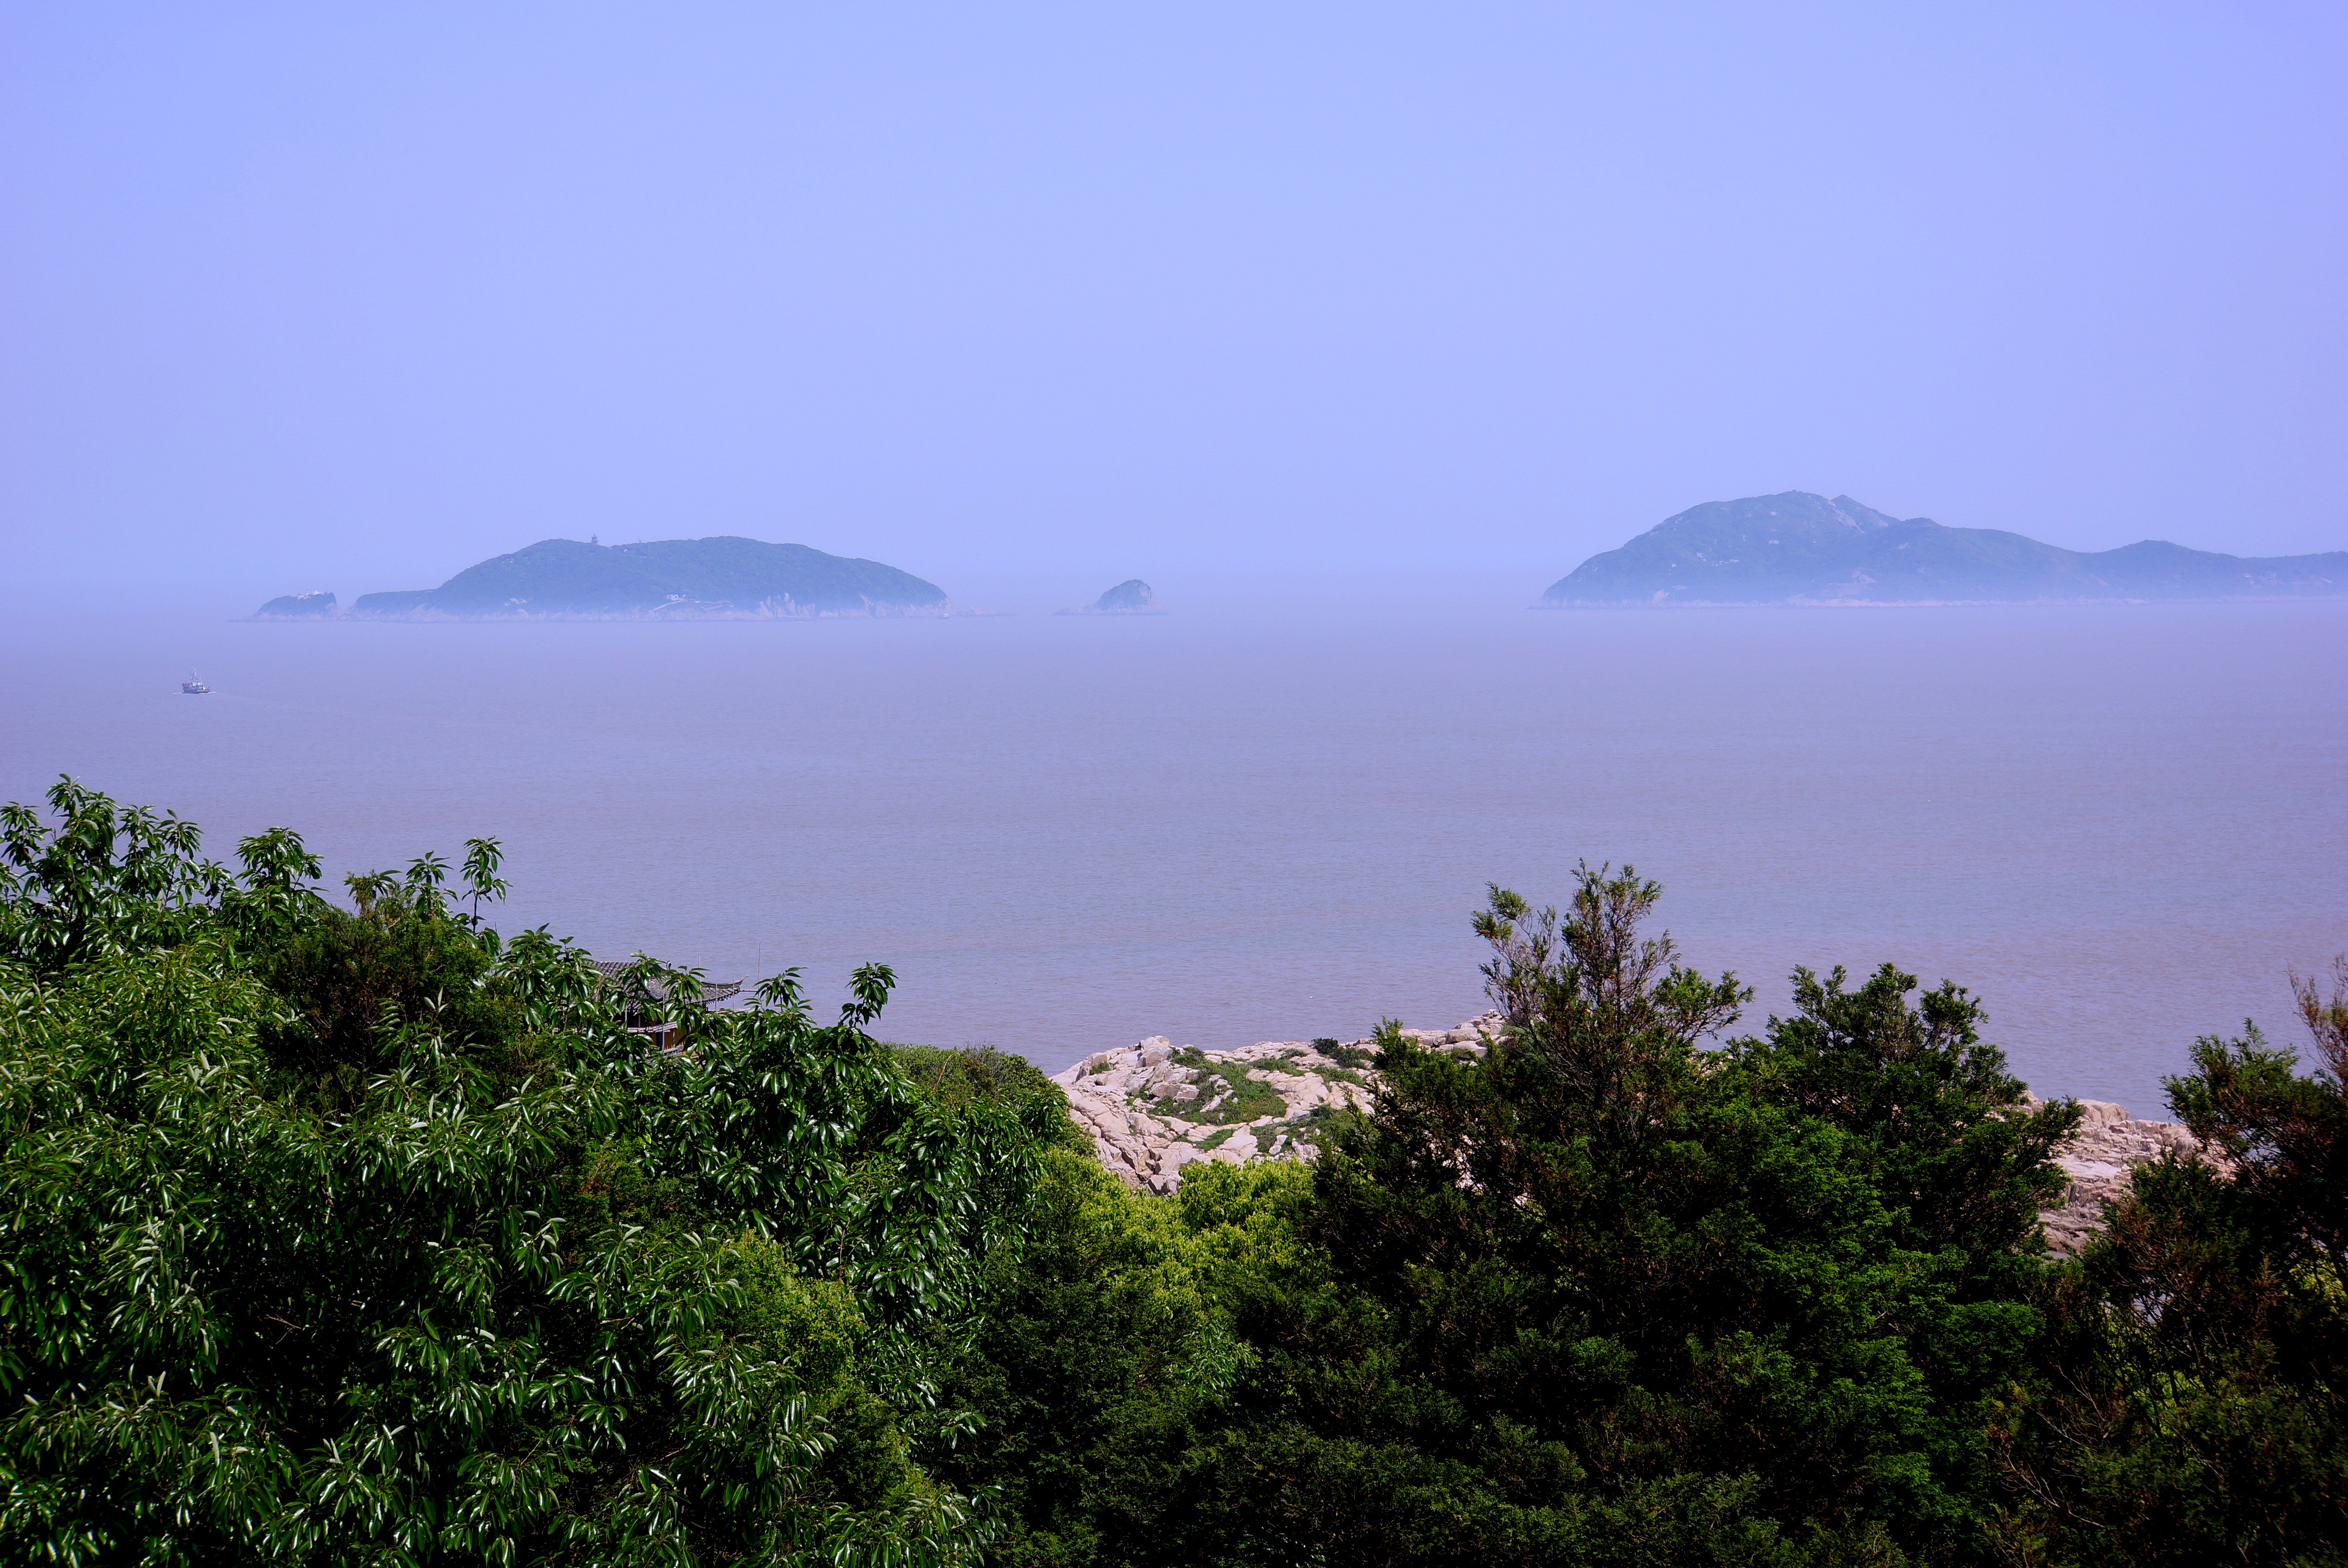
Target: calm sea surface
pixel 2120 827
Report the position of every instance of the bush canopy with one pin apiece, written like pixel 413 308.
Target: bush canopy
pixel 364 1234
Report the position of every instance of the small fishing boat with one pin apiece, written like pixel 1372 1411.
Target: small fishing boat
pixel 193 687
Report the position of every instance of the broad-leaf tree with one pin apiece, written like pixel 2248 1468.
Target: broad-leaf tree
pixel 336 1235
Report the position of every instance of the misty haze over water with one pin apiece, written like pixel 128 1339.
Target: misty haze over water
pixel 2118 824
pixel 1348 329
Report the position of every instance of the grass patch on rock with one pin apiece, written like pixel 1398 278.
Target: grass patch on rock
pixel 1233 1094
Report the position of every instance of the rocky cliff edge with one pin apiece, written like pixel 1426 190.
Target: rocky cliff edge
pixel 1153 1107
pixel 2109 1144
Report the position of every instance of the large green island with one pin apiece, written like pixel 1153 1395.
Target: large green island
pixel 1800 549
pixel 725 578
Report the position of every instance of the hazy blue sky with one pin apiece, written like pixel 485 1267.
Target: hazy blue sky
pixel 351 296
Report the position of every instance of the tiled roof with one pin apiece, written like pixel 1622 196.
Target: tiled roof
pixel 712 991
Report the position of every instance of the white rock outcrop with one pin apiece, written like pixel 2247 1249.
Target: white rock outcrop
pixel 1151 1108
pixel 2110 1143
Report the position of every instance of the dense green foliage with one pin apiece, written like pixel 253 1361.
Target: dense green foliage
pixel 341 1234
pixel 338 1236
pixel 2198 1409
pixel 1612 1297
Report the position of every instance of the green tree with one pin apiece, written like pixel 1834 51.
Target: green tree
pixel 1106 1365
pixel 2194 1407
pixel 334 1236
pixel 1608 1295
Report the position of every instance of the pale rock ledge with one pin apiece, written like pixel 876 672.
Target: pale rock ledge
pixel 1152 1108
pixel 2110 1143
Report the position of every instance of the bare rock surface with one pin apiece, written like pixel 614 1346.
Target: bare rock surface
pixel 2109 1145
pixel 1152 1108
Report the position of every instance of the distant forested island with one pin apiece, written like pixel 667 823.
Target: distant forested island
pixel 1801 549
pixel 725 578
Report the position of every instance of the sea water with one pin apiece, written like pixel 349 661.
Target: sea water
pixel 2120 827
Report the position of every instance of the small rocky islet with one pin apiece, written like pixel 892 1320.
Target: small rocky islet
pixel 1153 1107
pixel 1131 597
